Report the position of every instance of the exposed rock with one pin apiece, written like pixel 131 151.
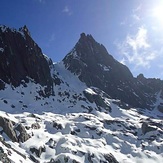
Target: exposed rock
pixel 22 59
pixel 35 126
pixel 90 156
pixel 110 158
pixel 3 157
pixel 122 104
pixel 54 161
pixel 64 159
pixel 32 115
pixel 97 99
pixel 11 148
pixel 39 151
pixel 34 159
pixel 23 136
pixel 91 62
pixel 8 128
pixel 147 128
pixel 160 108
pixel 57 125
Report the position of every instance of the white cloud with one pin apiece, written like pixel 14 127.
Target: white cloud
pixel 138 41
pixel 136 49
pixel 67 10
pixel 136 14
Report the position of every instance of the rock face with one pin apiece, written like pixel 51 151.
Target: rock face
pixel 23 136
pixel 146 128
pixel 21 59
pixel 91 62
pixel 10 130
pixel 3 156
pixel 39 151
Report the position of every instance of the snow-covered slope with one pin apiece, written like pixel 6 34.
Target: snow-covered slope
pixel 77 124
pixel 75 111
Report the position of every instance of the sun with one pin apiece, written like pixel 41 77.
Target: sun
pixel 158 13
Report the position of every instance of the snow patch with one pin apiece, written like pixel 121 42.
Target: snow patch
pixel 105 68
pixel 1 50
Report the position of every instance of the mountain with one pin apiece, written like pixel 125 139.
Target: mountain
pixel 91 62
pixel 22 59
pixel 87 108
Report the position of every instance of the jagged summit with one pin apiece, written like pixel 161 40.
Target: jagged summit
pixel 91 62
pixel 88 50
pixel 75 122
pixel 25 30
pixel 21 58
pixel 22 30
pixel 84 37
pixel 87 42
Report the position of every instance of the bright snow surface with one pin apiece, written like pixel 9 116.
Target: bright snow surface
pixel 73 129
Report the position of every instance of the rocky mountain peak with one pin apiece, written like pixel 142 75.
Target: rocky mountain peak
pixel 84 37
pixel 25 30
pixel 76 123
pixel 4 28
pixel 91 62
pixel 89 47
pixel 21 58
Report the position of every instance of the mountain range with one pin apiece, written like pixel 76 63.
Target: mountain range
pixel 87 108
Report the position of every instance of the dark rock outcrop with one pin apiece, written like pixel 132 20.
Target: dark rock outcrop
pixel 91 62
pixel 23 136
pixel 8 128
pixel 21 59
pixel 99 101
pixel 35 126
pixel 3 156
pixel 160 108
pixel 147 128
pixel 39 151
pixel 150 125
pixel 110 158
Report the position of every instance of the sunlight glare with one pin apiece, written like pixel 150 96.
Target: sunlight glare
pixel 158 13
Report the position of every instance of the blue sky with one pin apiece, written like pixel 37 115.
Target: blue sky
pixel 131 30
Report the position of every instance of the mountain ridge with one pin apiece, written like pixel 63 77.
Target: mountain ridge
pixel 65 119
pixel 96 67
pixel 21 59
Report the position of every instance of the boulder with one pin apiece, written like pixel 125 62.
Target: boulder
pixel 147 128
pixel 8 128
pixel 35 126
pixel 39 151
pixel 110 158
pixel 23 136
